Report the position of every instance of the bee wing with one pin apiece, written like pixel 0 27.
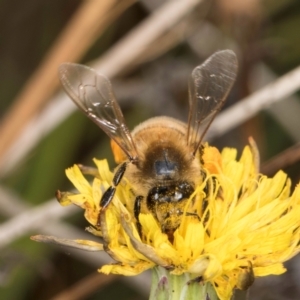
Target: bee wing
pixel 93 94
pixel 209 86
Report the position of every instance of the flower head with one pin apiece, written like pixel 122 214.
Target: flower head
pixel 246 224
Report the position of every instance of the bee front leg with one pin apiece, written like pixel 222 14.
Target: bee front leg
pixel 110 192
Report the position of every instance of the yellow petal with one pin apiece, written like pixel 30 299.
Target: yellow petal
pixel 275 269
pixel 105 174
pixel 81 184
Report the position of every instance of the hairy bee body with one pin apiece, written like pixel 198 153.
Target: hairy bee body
pixel 166 173
pixel 161 158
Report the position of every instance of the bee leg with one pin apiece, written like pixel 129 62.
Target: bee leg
pixel 110 192
pixel 119 174
pixel 107 197
pixel 137 210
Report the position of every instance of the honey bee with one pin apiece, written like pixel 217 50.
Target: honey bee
pixel 161 157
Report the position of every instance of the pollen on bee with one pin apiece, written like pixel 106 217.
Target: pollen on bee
pixel 118 153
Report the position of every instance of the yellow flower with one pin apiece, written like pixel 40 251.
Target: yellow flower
pixel 248 224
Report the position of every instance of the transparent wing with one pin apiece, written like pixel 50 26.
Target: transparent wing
pixel 93 94
pixel 209 86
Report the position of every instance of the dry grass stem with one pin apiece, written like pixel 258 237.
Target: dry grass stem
pixel 31 219
pixel 245 109
pixel 124 53
pixel 121 55
pixel 286 112
pixel 179 33
pixel 284 159
pixel 13 207
pixel 85 287
pixel 87 24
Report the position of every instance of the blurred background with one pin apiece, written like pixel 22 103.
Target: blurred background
pixel 148 48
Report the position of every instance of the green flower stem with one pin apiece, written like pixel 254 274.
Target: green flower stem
pixel 166 286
